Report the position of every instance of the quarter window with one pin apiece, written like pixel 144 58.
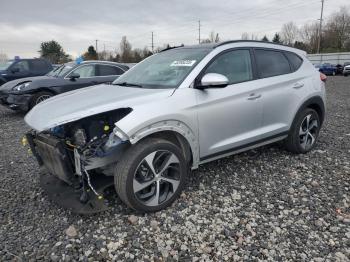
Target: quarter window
pixel 107 70
pixel 235 65
pixel 85 71
pixel 271 63
pixel 294 60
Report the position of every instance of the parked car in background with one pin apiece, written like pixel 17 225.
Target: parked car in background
pixel 23 94
pixel 172 112
pixel 346 70
pixel 340 69
pixel 327 69
pixel 21 68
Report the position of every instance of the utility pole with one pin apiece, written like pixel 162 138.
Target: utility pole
pixel 152 44
pixel 199 31
pixel 96 47
pixel 320 29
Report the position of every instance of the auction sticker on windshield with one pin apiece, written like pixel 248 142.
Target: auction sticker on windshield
pixel 183 63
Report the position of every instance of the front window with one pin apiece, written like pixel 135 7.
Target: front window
pixel 235 65
pixel 62 70
pixel 85 71
pixel 163 70
pixel 5 64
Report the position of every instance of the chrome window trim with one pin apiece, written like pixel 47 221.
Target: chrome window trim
pixel 81 65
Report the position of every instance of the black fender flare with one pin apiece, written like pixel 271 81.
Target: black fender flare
pixel 316 103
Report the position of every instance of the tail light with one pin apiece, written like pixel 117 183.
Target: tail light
pixel 323 77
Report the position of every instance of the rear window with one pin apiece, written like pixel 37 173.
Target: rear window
pixel 39 66
pixel 294 60
pixel 271 63
pixel 107 70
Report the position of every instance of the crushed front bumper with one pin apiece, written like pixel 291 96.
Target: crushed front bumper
pixel 19 102
pixel 59 181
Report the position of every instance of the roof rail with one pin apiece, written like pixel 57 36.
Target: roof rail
pixel 249 41
pixel 172 47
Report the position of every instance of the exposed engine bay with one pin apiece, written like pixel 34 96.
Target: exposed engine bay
pixel 79 153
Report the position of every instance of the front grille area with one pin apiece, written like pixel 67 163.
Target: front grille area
pixel 55 157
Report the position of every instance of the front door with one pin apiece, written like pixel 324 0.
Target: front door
pixel 87 77
pixel 230 117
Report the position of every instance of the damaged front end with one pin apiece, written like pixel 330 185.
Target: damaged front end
pixel 77 160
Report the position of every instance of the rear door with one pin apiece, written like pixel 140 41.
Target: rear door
pixel 282 85
pixel 229 117
pixel 107 73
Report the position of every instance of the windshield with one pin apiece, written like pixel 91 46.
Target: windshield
pixel 5 64
pixel 163 70
pixel 62 70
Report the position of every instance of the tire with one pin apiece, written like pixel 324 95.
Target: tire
pixel 133 173
pixel 39 97
pixel 303 134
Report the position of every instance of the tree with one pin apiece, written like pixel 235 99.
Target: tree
pixel 91 54
pixel 309 36
pixel 289 33
pixel 265 39
pixel 246 36
pixel 337 31
pixel 277 38
pixel 3 57
pixel 300 45
pixel 53 52
pixel 213 38
pixel 125 50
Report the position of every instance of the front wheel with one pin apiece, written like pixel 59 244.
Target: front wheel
pixel 304 132
pixel 151 175
pixel 39 97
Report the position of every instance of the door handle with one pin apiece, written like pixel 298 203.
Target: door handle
pixel 253 96
pixel 298 85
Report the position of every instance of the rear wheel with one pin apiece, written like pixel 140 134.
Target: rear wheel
pixel 39 97
pixel 151 175
pixel 304 132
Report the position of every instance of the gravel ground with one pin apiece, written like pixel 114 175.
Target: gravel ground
pixel 265 204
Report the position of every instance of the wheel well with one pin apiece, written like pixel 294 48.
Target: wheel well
pixel 178 140
pixel 44 89
pixel 318 109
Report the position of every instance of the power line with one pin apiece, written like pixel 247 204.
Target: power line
pixel 320 29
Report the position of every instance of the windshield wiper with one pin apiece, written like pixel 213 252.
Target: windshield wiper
pixel 128 84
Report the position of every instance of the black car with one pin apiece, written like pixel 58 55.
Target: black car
pixel 20 68
pixel 23 94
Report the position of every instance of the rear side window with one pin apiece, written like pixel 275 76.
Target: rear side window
pixel 294 60
pixel 271 63
pixel 235 65
pixel 107 70
pixel 39 66
pixel 21 66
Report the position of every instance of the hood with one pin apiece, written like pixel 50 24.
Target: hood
pixel 11 84
pixel 74 105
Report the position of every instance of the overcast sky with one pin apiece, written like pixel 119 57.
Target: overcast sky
pixel 75 24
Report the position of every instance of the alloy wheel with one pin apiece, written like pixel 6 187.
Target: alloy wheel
pixel 41 98
pixel 157 178
pixel 308 132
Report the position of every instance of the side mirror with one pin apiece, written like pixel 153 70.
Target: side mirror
pixel 74 76
pixel 213 80
pixel 15 70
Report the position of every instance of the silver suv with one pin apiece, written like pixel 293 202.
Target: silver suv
pixel 172 112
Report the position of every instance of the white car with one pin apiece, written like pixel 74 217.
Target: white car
pixel 169 114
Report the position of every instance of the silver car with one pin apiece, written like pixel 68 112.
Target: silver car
pixel 169 114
